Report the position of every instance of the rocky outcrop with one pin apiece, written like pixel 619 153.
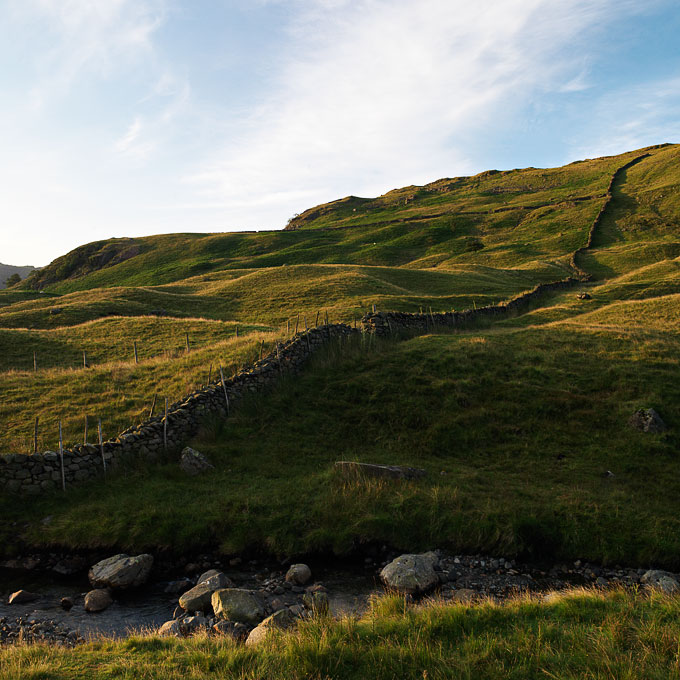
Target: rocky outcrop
pixel 121 571
pixel 194 462
pixel 411 574
pixel 647 420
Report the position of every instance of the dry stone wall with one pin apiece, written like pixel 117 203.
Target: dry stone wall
pixel 42 472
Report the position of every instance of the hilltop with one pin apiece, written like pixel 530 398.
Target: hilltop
pixel 524 415
pixel 7 270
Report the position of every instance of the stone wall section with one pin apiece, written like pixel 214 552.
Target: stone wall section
pixel 41 472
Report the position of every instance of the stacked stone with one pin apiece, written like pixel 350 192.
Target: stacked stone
pixel 41 472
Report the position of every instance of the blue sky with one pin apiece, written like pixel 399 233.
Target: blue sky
pixel 134 117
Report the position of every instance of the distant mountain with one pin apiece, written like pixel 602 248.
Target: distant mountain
pixel 6 270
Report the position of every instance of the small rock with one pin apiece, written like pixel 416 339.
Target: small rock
pixel 194 462
pixel 192 624
pixel 584 296
pixel 411 574
pixel 647 420
pixel 170 628
pixel 282 619
pixel 234 629
pixel 661 580
pixel 316 601
pixel 22 597
pixel 97 600
pixel 199 597
pixel 66 603
pixel 298 574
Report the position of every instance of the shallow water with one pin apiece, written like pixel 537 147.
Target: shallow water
pixel 148 607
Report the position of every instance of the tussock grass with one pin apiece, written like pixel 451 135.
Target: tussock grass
pixel 582 634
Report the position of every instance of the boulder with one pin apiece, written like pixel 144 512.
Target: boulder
pixel 194 462
pixel 647 420
pixel 66 603
pixel 233 629
pixel 316 600
pixel 198 598
pixel 298 574
pixel 660 580
pixel 121 571
pixel 352 470
pixel 22 597
pixel 236 604
pixel 170 628
pixel 192 624
pixel 282 619
pixel 411 574
pixel 97 600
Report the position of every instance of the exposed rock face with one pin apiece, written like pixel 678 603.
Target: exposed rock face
pixel 281 619
pixel 98 600
pixel 661 580
pixel 199 598
pixel 351 469
pixel 298 574
pixel 647 420
pixel 194 462
pixel 22 597
pixel 411 574
pixel 121 571
pixel 236 604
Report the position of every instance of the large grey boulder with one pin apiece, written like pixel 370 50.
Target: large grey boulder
pixel 660 580
pixel 281 619
pixel 194 462
pixel 647 420
pixel 121 571
pixel 199 598
pixel 236 604
pixel 98 600
pixel 411 574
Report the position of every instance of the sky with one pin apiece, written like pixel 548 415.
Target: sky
pixel 136 117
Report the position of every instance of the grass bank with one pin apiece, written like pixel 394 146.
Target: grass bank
pixel 579 635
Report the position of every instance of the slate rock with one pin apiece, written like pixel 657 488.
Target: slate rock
pixel 121 571
pixel 199 598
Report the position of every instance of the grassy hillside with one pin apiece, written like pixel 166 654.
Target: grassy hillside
pixel 517 421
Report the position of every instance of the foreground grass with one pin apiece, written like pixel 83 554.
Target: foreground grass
pixel 579 635
pixel 517 430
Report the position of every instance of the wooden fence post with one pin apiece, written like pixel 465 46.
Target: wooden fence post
pixel 85 435
pixel 134 344
pixel 297 323
pixel 35 436
pixel 84 359
pixel 165 426
pixel 224 389
pixel 278 358
pixel 153 405
pixel 374 308
pixel 287 327
pixel 61 458
pixel 305 317
pixel 210 374
pixel 316 323
pixel 326 316
pixel 187 339
pixel 35 361
pixel 237 331
pixel 101 444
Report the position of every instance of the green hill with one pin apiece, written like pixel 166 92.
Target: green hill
pixel 517 420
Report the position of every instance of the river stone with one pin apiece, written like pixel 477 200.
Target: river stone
pixel 194 462
pixel 237 604
pixel 647 420
pixel 661 580
pixel 282 619
pixel 411 574
pixel 121 571
pixel 198 599
pixel 97 600
pixel 298 574
pixel 22 597
pixel 170 628
pixel 236 630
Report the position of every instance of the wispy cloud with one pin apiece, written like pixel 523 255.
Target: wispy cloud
pixel 382 93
